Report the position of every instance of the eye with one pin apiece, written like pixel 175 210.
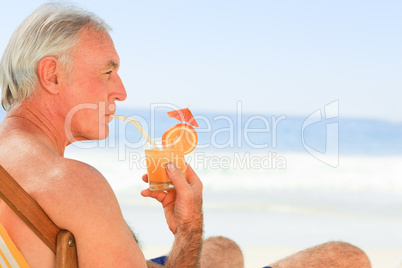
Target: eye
pixel 110 72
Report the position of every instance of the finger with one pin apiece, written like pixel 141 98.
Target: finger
pixel 192 177
pixel 146 193
pixel 176 177
pixel 145 177
pixel 158 195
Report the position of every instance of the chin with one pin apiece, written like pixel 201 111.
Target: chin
pixel 103 132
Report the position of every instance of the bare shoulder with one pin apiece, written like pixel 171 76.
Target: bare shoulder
pixel 77 197
pixel 77 188
pixel 88 207
pixel 79 180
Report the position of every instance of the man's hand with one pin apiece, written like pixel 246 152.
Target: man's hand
pixel 183 205
pixel 183 213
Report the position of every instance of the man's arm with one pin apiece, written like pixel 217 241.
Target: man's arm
pixel 186 251
pixel 183 213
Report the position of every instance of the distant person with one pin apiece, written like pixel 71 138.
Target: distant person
pixel 59 80
pixel 221 252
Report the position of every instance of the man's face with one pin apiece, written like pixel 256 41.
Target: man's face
pixel 93 87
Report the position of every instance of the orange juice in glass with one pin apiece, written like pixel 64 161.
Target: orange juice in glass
pixel 177 141
pixel 157 160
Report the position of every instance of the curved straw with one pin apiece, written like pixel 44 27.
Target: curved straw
pixel 138 126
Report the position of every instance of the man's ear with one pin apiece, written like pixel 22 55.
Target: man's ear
pixel 49 74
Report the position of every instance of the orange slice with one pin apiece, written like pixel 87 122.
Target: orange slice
pixel 185 134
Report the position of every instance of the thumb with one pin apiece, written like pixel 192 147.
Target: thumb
pixel 176 177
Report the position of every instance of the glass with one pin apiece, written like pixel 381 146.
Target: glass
pixel 157 159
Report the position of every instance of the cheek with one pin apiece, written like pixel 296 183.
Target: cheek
pixel 86 118
pixel 85 89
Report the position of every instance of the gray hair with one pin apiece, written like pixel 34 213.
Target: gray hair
pixel 51 30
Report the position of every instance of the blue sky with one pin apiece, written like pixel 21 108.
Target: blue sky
pixel 276 57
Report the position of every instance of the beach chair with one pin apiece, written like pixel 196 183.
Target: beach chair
pixel 61 242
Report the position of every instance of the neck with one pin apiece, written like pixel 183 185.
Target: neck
pixel 40 122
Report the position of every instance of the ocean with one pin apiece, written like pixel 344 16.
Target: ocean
pixel 269 180
pixel 267 133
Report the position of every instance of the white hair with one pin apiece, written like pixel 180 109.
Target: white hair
pixel 51 30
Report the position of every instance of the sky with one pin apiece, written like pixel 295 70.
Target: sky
pixel 274 57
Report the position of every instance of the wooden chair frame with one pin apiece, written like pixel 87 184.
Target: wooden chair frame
pixel 61 242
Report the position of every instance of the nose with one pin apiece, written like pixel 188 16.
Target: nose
pixel 118 90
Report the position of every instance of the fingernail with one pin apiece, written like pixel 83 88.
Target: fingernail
pixel 171 167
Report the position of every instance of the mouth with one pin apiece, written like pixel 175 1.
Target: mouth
pixel 109 118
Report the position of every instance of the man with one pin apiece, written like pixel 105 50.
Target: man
pixel 59 84
pixel 63 60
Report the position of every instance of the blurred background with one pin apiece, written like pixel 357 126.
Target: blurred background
pixel 308 91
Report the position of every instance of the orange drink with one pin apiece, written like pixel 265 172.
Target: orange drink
pixel 157 160
pixel 177 141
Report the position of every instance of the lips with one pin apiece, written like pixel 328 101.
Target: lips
pixel 109 118
pixel 111 109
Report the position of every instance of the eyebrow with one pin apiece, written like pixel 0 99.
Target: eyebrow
pixel 112 64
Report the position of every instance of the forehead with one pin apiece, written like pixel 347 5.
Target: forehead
pixel 95 49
